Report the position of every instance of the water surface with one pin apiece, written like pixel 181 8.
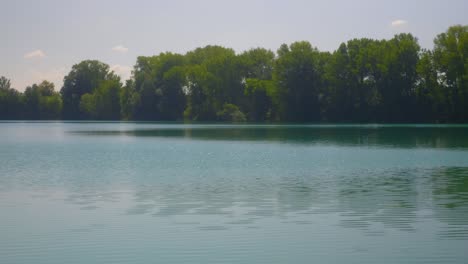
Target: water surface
pixel 211 193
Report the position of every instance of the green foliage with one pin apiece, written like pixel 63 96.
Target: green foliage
pixel 200 104
pixel 5 84
pixel 260 94
pixel 364 80
pixel 157 91
pixel 397 70
pixel 129 99
pixel 213 79
pixel 432 99
pixel 104 102
pixel 230 113
pixel 259 89
pixel 173 101
pixel 84 78
pixel 50 107
pixel 451 62
pixel 257 63
pixel 298 80
pixel 11 106
pixel 42 102
pixel 373 81
pixel 88 104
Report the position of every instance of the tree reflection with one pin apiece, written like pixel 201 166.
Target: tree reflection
pixel 352 135
pixel 450 198
pixel 371 201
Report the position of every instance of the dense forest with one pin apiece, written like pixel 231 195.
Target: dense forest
pixel 364 80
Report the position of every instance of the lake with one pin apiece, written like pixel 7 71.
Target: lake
pixel 77 192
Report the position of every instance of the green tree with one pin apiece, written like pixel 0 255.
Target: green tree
pixel 42 102
pixel 213 79
pixel 159 82
pixel 257 69
pixel 104 102
pixel 297 76
pixel 451 62
pixel 351 93
pixel 200 102
pixel 129 99
pixel 11 106
pixel 230 113
pixel 173 99
pixel 5 84
pixel 364 80
pixel 341 95
pixel 84 78
pixel 432 102
pixel 369 80
pixel 397 63
pixel 260 95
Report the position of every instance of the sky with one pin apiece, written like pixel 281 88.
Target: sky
pixel 41 40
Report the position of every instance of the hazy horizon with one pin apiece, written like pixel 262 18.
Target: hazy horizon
pixel 45 38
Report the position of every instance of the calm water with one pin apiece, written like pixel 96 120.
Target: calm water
pixel 171 193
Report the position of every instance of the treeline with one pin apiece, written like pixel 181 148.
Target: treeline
pixel 364 80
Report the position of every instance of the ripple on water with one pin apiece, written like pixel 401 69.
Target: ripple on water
pixel 230 195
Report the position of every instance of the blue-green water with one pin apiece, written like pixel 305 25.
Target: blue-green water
pixel 172 193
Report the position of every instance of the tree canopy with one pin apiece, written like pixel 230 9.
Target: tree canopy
pixel 83 79
pixel 363 80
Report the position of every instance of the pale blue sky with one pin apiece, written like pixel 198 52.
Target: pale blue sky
pixel 43 39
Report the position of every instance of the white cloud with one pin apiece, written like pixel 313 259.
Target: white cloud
pixel 123 71
pixel 399 23
pixel 34 54
pixel 120 48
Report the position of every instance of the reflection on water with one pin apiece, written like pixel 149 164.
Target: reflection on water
pixel 136 193
pixel 366 135
pixel 395 199
pixel 450 192
pixel 399 199
pixel 451 183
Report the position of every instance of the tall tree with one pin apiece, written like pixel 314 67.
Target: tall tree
pixel 129 99
pixel 213 79
pixel 364 80
pixel 5 84
pixel 42 102
pixel 431 101
pixel 451 61
pixel 396 67
pixel 104 102
pixel 159 82
pixel 297 75
pixel 11 105
pixel 84 78
pixel 257 71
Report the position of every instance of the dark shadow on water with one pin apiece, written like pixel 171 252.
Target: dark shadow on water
pixel 450 198
pixel 388 136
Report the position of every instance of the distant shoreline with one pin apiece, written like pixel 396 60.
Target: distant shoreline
pixel 363 81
